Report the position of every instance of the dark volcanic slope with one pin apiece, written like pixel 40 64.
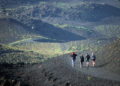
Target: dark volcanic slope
pixel 92 12
pixel 13 2
pixel 50 31
pixel 15 30
pixel 109 56
pixel 12 30
pixel 58 72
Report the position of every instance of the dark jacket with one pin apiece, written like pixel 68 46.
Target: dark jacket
pixel 87 57
pixel 94 57
pixel 73 56
pixel 81 58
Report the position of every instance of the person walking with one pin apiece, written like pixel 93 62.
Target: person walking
pixel 81 60
pixel 73 57
pixel 87 59
pixel 93 58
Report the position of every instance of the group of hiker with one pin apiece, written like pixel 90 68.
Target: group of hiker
pixel 87 57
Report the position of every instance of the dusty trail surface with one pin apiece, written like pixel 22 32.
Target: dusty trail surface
pixel 59 72
pixel 98 71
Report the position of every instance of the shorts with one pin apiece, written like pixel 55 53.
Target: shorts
pixel 93 59
pixel 87 60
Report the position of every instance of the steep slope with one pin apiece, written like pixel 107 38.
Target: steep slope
pixel 15 30
pixel 109 56
pixel 58 72
pixel 12 30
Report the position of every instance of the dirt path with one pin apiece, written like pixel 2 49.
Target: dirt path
pixel 97 71
pixel 59 72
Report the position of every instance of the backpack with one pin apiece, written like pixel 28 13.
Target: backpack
pixel 93 57
pixel 82 59
pixel 74 56
pixel 88 57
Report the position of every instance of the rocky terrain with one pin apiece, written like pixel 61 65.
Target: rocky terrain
pixel 34 29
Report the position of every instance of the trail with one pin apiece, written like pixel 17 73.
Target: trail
pixel 97 71
pixel 58 71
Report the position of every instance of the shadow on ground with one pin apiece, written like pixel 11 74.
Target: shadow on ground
pixel 50 31
pixel 49 40
pixel 7 74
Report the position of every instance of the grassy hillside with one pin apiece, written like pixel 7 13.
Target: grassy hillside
pixel 12 55
pixel 108 30
pixel 109 56
pixel 46 48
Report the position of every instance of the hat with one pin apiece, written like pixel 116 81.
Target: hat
pixel 73 53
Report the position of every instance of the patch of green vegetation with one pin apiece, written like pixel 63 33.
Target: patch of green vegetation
pixel 109 30
pixel 84 46
pixel 10 9
pixel 99 42
pixel 18 42
pixel 72 26
pixel 61 26
pixel 13 55
pixel 78 48
pixel 48 49
pixel 27 6
pixel 83 28
pixel 41 2
pixel 66 6
pixel 60 5
pixel 71 7
pixel 102 3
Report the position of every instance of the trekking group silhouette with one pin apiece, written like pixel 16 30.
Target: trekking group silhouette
pixel 87 58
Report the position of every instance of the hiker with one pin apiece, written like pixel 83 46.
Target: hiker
pixel 93 58
pixel 73 57
pixel 87 59
pixel 81 60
